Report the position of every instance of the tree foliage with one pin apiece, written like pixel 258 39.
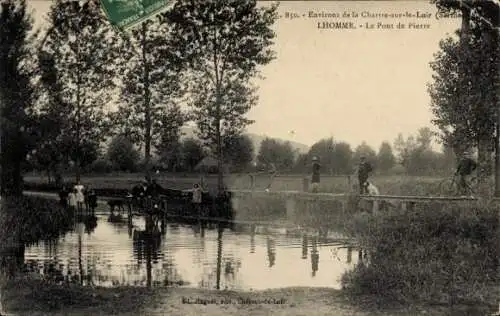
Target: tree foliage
pixel 16 92
pixel 222 43
pixel 239 151
pixel 122 154
pixel 168 146
pixel 149 114
pixel 473 63
pixel 335 157
pixel 464 109
pixel 273 151
pixel 192 153
pixel 77 61
pixel 385 157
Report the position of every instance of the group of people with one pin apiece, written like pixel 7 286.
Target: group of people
pixel 145 188
pixel 152 189
pixel 466 166
pixel 78 197
pixel 364 170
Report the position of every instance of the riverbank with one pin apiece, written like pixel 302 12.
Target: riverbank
pixel 24 296
pixel 387 184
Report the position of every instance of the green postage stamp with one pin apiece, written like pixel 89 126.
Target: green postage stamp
pixel 124 14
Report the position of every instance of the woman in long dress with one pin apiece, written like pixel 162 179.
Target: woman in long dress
pixel 80 197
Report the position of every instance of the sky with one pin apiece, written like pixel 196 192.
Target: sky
pixel 351 84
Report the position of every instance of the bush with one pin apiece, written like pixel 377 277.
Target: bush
pixel 31 219
pixel 101 166
pixel 438 254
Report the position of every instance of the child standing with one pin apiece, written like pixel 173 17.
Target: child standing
pixel 72 199
pixel 197 198
pixel 80 197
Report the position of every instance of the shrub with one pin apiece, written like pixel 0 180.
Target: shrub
pixel 101 166
pixel 31 219
pixel 437 253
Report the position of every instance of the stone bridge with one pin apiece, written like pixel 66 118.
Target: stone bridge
pixel 321 208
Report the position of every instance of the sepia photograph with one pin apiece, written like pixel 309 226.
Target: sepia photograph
pixel 250 157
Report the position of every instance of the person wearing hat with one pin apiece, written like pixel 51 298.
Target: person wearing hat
pixel 316 168
pixel 364 170
pixel 139 192
pixel 465 168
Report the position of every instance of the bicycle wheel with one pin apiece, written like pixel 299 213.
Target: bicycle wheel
pixel 448 187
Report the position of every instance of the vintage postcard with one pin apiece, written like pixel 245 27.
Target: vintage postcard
pixel 249 157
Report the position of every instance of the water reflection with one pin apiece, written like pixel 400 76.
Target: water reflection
pixel 314 256
pixel 271 251
pixel 220 230
pixel 349 255
pixel 304 247
pixel 141 252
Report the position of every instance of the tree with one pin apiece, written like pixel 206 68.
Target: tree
pixel 343 158
pixel 334 157
pixel 79 49
pixel 278 153
pixel 16 93
pixel 192 153
pixel 239 152
pixel 416 154
pixel 168 147
pixel 149 114
pixel 223 43
pixel 301 163
pixel 424 137
pixel 385 157
pixel 464 92
pixel 122 154
pixel 365 150
pixel 404 148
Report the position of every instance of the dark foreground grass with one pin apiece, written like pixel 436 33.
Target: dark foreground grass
pixel 24 296
pixel 436 254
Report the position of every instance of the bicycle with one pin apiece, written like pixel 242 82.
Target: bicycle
pixel 451 186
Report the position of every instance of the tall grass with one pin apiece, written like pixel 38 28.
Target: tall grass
pixel 435 254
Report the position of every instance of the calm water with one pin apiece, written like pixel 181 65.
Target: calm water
pixel 191 255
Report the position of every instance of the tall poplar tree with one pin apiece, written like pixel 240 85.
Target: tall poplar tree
pixel 16 92
pixel 79 55
pixel 222 43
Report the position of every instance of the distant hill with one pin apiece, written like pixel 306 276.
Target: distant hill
pixel 189 132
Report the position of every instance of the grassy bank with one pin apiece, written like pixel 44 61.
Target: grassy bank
pixel 395 184
pixel 434 255
pixel 33 297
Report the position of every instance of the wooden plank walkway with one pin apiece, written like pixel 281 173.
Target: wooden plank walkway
pixel 334 196
pixel 317 196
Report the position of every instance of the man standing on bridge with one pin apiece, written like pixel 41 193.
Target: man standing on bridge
pixel 364 170
pixel 316 167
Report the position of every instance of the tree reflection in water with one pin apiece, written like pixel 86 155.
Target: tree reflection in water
pixel 271 251
pixel 304 246
pixel 252 238
pixel 314 256
pixel 146 245
pixel 220 230
pixel 349 255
